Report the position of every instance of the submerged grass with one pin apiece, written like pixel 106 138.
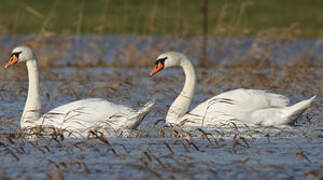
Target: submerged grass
pixel 183 157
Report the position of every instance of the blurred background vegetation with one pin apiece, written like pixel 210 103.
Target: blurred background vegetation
pixel 226 18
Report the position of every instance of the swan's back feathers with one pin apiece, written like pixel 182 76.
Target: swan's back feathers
pixel 254 99
pixel 96 104
pixel 241 100
pixel 85 114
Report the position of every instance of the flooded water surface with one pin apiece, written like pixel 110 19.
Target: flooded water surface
pixel 117 68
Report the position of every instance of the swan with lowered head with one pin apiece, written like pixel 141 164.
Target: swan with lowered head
pixel 77 117
pixel 242 106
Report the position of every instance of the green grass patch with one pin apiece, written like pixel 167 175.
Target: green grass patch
pixel 227 18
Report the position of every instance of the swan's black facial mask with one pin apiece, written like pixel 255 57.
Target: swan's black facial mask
pixel 159 65
pixel 13 59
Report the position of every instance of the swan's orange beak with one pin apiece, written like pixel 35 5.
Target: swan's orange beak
pixel 13 60
pixel 157 68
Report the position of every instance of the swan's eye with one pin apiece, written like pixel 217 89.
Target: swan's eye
pixel 16 54
pixel 160 60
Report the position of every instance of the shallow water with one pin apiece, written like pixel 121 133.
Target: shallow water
pixel 129 48
pixel 152 151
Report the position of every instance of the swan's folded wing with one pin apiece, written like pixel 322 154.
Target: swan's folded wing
pixel 254 99
pixel 86 113
pixel 241 100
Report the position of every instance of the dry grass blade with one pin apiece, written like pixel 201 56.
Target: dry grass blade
pixel 85 167
pixel 100 136
pixel 55 174
pixel 80 144
pixel 142 167
pixel 34 12
pixel 182 142
pixel 53 162
pixel 57 134
pixel 234 125
pixel 205 135
pixel 317 173
pixel 3 144
pixel 235 143
pixel 21 150
pixel 302 155
pixel 193 144
pixel 47 148
pixel 244 161
pixel 8 138
pixel 182 123
pixel 125 148
pixel 147 155
pixel 245 141
pixel 159 161
pixel 158 121
pixel 12 154
pixel 161 132
pixel 168 147
pixel 38 148
pixel 222 134
pixel 63 164
pixel 113 151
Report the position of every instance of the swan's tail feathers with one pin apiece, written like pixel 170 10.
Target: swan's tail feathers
pixel 292 112
pixel 146 109
pixel 277 100
pixel 141 114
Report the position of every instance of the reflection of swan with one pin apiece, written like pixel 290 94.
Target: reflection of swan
pixel 78 116
pixel 248 106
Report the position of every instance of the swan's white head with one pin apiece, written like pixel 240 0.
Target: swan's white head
pixel 20 54
pixel 166 60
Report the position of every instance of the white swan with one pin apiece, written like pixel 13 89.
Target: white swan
pixel 77 117
pixel 242 106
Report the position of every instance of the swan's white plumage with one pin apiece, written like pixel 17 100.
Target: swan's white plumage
pixel 79 116
pixel 247 106
pixel 244 99
pixel 241 106
pixel 89 113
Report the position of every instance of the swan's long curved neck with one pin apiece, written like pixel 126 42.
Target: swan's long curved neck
pixel 182 103
pixel 32 107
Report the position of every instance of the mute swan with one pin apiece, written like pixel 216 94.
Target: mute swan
pixel 242 106
pixel 77 117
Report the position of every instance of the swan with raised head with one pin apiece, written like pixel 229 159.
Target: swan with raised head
pixel 242 106
pixel 77 117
